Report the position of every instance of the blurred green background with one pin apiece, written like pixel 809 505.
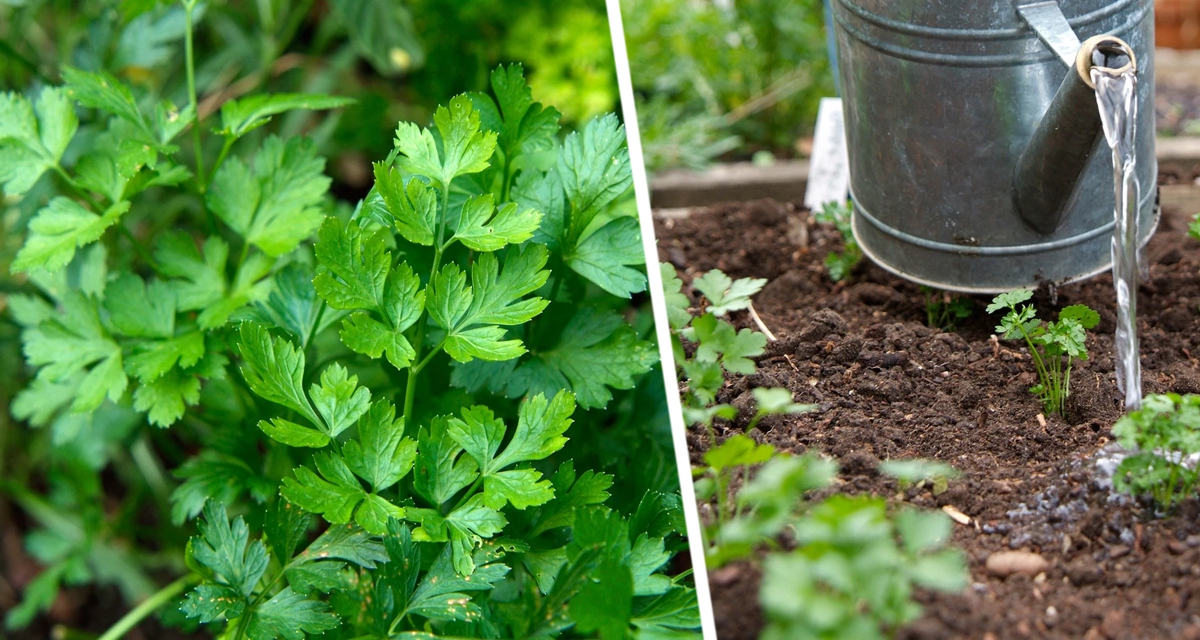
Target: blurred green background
pixel 725 79
pixel 399 60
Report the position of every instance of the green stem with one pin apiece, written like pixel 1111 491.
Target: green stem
pixel 225 147
pixel 410 387
pixel 436 350
pixel 188 7
pixel 138 248
pixel 149 606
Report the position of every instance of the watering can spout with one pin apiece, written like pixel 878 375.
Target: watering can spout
pixel 1050 170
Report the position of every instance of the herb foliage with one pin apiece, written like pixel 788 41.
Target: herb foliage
pixel 369 430
pixel 1162 438
pixel 1054 346
pixel 841 264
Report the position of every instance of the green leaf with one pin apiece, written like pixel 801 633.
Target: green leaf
pixel 363 334
pixel 225 550
pixel 724 294
pixel 58 229
pixel 1009 300
pixel 412 208
pixel 212 602
pixel 677 303
pixel 274 203
pixel 202 280
pixel 775 401
pixel 274 369
pixel 605 602
pixel 292 434
pixel 443 592
pixel 539 429
pixel 33 137
pixel 165 397
pixel 571 493
pixel 922 531
pixel 290 615
pixel 216 476
pixel 346 542
pixel 471 315
pixel 67 344
pixel 241 116
pixel 604 258
pixel 468 525
pixel 353 266
pixel 597 351
pixel 736 451
pixel 734 350
pixel 284 528
pixel 594 169
pixel 945 571
pixel 333 494
pixel 381 455
pixel 480 434
pixel 100 90
pixel 440 471
pixel 465 148
pixel 526 127
pixel 1086 317
pixel 339 399
pixel 648 556
pixel 139 311
pixel 321 577
pixel 484 228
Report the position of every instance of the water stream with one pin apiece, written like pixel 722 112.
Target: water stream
pixel 1116 95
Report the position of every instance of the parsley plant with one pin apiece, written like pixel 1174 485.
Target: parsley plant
pixel 369 431
pixel 1052 345
pixel 1163 438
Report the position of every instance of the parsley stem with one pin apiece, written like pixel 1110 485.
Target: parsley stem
pixel 410 387
pixel 188 7
pixel 149 606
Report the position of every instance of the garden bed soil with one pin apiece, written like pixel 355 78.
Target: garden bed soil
pixel 890 387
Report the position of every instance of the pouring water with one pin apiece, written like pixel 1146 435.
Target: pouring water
pixel 1116 96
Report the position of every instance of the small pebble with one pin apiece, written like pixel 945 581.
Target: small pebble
pixel 1007 563
pixel 1176 547
pixel 1118 551
pixel 1193 540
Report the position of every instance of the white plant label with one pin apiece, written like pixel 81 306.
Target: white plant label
pixel 829 168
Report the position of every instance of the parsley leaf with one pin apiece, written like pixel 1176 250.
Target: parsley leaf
pixel 605 257
pixel 58 229
pixel 66 344
pixel 239 117
pixel 466 149
pixel 472 315
pixel 274 369
pixel 484 228
pixel 725 294
pixel 273 203
pixel 33 137
pixel 718 339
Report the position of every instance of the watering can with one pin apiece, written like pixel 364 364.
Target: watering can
pixel 977 160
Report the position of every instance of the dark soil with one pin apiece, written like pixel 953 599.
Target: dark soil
pixel 890 387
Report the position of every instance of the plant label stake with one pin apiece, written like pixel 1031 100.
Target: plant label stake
pixel 829 168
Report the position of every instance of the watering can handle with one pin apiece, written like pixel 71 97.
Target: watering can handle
pixel 1048 22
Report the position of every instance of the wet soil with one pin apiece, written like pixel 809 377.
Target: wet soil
pixel 888 387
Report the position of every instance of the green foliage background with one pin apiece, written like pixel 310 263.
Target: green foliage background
pixel 198 282
pixel 729 77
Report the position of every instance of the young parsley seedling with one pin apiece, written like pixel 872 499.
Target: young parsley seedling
pixel 1162 436
pixel 1053 345
pixel 840 265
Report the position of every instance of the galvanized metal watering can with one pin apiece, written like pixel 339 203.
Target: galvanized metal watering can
pixel 976 155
